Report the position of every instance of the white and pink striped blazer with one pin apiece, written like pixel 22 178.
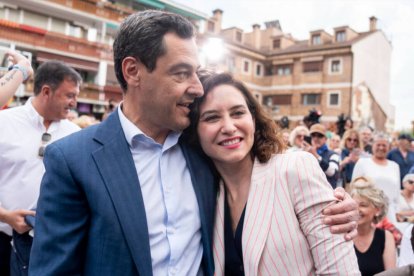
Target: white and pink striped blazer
pixel 283 233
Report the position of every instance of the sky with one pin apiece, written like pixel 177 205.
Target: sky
pixel 298 17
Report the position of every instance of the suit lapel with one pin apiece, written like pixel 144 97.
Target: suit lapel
pixel 116 166
pixel 258 216
pixel 205 190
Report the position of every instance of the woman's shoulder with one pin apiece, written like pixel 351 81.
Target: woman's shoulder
pixel 291 157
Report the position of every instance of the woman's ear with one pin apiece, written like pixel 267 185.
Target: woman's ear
pixel 131 71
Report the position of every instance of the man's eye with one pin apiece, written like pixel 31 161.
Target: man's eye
pixel 182 75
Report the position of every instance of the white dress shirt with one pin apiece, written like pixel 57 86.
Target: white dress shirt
pixel 21 168
pixel 170 202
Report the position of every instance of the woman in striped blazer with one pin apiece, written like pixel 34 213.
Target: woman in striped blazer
pixel 269 208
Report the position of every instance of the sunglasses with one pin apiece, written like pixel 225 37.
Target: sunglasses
pixel 318 135
pixel 352 140
pixel 46 137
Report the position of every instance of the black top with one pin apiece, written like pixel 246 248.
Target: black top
pixel 233 244
pixel 371 261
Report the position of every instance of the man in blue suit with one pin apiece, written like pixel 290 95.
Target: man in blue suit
pixel 128 196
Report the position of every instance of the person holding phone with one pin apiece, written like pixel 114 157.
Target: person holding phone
pixel 351 145
pixel 328 160
pixel 20 71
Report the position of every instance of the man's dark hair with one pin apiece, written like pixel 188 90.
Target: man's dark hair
pixel 53 73
pixel 141 36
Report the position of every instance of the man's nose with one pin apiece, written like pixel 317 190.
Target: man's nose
pixel 196 88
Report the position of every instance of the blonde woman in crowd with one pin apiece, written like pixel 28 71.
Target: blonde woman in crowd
pixel 375 248
pixel 297 138
pixel 351 146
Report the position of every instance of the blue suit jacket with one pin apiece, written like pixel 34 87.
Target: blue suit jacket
pixel 90 216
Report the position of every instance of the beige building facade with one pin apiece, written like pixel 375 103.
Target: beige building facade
pixel 346 72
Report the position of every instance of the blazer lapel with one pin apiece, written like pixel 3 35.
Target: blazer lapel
pixel 218 236
pixel 258 216
pixel 116 166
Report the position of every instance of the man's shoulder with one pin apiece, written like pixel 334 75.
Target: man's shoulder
pixel 11 113
pixel 78 138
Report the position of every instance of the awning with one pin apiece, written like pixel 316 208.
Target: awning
pixel 72 62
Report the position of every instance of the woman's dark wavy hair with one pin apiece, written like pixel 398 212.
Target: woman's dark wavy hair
pixel 267 141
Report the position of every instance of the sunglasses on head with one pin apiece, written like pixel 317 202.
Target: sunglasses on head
pixel 46 137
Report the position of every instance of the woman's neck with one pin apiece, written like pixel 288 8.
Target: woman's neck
pixel 408 195
pixel 237 177
pixel 365 229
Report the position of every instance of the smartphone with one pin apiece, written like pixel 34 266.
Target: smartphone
pixel 308 140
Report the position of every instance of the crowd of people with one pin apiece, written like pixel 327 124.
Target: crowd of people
pixel 188 175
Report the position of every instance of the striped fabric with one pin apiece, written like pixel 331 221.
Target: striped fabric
pixel 283 233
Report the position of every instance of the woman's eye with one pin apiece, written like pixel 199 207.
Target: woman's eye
pixel 211 118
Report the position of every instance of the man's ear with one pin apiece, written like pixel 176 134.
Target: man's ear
pixel 131 69
pixel 46 91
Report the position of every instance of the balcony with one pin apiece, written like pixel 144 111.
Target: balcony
pixel 101 9
pixel 39 38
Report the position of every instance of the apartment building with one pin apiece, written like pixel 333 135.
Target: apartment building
pixel 342 71
pixel 80 33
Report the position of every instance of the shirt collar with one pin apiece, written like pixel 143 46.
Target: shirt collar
pixel 36 118
pixel 133 133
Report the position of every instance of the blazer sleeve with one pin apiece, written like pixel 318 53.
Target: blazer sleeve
pixel 58 245
pixel 311 193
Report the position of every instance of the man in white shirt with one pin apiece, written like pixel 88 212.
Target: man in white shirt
pixel 25 132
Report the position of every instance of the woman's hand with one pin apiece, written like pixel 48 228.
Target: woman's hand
pixel 342 216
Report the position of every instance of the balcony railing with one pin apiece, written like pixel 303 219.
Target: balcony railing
pixel 102 9
pixel 51 40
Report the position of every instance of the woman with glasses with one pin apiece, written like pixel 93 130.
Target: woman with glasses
pixel 351 150
pixel 405 211
pixel 296 138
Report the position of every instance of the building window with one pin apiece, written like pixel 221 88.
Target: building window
pixel 259 70
pixel 316 40
pixel 313 66
pixel 334 99
pixel 335 66
pixel 273 100
pixel 283 69
pixel 210 26
pixel 238 36
pixel 276 43
pixel 246 66
pixel 311 99
pixel 340 36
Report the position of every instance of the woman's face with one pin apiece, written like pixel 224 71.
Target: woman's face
pixel 351 142
pixel 334 142
pixel 409 185
pixel 380 149
pixel 226 126
pixel 367 210
pixel 299 138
